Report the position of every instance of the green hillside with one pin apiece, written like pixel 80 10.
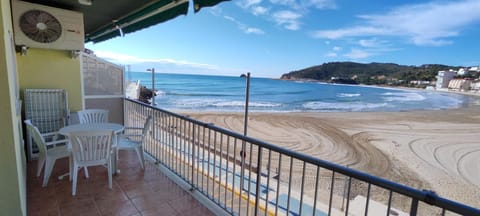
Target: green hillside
pixel 369 74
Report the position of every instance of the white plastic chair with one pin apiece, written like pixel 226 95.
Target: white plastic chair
pixel 135 141
pixel 91 148
pixel 49 152
pixel 89 116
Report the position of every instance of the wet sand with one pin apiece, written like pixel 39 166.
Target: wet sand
pixel 434 150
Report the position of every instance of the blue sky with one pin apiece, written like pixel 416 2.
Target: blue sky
pixel 271 37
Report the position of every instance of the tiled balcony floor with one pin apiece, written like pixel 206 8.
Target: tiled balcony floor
pixel 134 192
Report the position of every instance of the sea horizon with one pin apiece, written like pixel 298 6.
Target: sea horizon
pixel 193 92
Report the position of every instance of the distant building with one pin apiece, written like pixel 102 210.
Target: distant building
pixel 420 82
pixel 477 69
pixel 443 78
pixel 475 86
pixel 460 84
pixel 462 72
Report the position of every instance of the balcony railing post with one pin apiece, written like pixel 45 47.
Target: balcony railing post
pixel 414 207
pixel 259 180
pixel 193 157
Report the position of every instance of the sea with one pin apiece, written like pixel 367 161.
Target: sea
pixel 184 92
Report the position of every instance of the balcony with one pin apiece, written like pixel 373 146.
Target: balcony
pixel 196 167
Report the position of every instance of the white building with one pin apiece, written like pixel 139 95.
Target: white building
pixel 460 84
pixel 477 69
pixel 475 86
pixel 462 72
pixel 443 78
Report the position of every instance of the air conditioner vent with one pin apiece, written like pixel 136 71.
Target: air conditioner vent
pixel 40 26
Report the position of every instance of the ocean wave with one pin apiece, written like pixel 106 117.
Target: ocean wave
pixel 201 94
pixel 204 103
pixel 160 93
pixel 348 95
pixel 342 106
pixel 402 96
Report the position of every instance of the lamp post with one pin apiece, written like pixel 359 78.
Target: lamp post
pixel 153 85
pixel 247 95
pixel 243 153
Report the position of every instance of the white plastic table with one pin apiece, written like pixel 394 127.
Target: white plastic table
pixel 117 128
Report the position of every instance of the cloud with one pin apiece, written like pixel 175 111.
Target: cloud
pixel 138 64
pixel 427 24
pixel 331 54
pixel 350 32
pixel 373 43
pixel 286 13
pixel 259 10
pixel 254 31
pixel 124 59
pixel 288 19
pixel 246 29
pixel 337 48
pixel 248 3
pixel 306 4
pixel 358 54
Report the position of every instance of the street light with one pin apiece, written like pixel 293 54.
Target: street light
pixel 247 95
pixel 243 154
pixel 153 85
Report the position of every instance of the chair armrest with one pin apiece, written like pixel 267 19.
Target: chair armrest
pixel 133 128
pixel 57 142
pixel 131 135
pixel 50 134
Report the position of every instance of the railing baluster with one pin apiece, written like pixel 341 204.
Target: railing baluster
pixel 331 194
pixel 389 202
pixel 259 180
pixel 289 185
pixel 278 182
pixel 249 178
pixel 317 179
pixel 235 176
pixel 301 189
pixel 368 199
pixel 268 180
pixel 193 154
pixel 414 207
pixel 227 169
pixel 203 157
pixel 214 163
pixel 348 195
pixel 208 162
pixel 220 168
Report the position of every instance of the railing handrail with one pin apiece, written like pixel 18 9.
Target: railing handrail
pixel 426 196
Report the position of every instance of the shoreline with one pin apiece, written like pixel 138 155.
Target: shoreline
pixel 427 149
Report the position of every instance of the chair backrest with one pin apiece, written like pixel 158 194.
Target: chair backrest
pixel 92 147
pixel 89 116
pixel 37 137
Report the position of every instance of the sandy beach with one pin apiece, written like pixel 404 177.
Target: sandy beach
pixel 434 150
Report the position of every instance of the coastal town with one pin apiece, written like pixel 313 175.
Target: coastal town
pixel 455 80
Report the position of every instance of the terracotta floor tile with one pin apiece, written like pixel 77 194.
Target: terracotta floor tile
pixel 116 207
pixel 134 192
pixel 82 207
pixel 159 210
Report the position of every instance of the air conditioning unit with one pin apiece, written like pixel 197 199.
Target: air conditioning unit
pixel 46 27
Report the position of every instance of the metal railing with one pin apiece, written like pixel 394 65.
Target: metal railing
pixel 246 176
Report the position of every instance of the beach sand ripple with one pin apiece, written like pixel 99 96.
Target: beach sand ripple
pixel 433 150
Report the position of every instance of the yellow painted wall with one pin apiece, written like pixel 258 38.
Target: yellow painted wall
pixel 12 155
pixel 43 68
